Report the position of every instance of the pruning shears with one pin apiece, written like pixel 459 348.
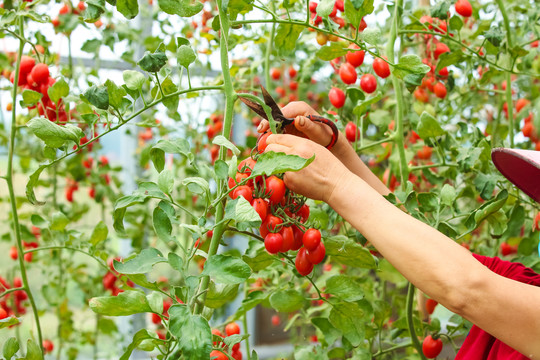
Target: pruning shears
pixel 284 121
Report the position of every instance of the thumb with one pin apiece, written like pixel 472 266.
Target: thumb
pixel 314 131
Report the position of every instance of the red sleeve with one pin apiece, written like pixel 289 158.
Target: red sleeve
pixel 514 271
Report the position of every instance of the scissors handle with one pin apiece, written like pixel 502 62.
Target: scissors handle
pixel 330 123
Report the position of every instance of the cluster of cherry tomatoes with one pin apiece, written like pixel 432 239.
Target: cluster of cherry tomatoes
pixel 13 252
pixel 230 329
pixel 19 297
pixel 283 214
pixel 112 280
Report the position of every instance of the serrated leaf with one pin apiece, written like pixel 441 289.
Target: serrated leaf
pixel 196 185
pixel 361 108
pixel 332 51
pixel 9 321
pixel 55 135
pixel 128 8
pixel 138 338
pixel 192 331
pixel 184 8
pixel 33 351
pixel 287 37
pixel 186 55
pixel 286 300
pixel 166 181
pixel 142 263
pixel 220 294
pixel 448 195
pixel 346 317
pixel 325 7
pixel 125 303
pixel 98 96
pixel 224 269
pixel 346 251
pixel 371 35
pixel 32 182
pixel 449 58
pixel 153 62
pixel 494 35
pixel 177 146
pixel 410 65
pixel 116 94
pixel 11 346
pixel 441 10
pixel 99 234
pixel 270 163
pixel 243 213
pixel 428 127
pixel 162 224
pixel 134 80
pixel 344 287
pixel 222 141
pixel 355 10
pixel 58 90
pixel 30 97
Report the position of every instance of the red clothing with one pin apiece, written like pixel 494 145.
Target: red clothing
pixel 479 345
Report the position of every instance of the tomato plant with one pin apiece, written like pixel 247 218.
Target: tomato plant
pixel 137 186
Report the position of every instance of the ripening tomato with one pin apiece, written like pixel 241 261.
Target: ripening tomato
pixel 430 305
pixel 48 346
pixel 28 257
pixel 421 95
pixel 261 207
pixel 443 72
pixel 355 58
pixel 351 132
pixel 303 266
pixel 304 212
pixel 440 48
pixel 275 320
pixel 337 97
pixel 431 347
pixel 424 153
pixel 232 329
pixel 440 90
pixel 4 314
pixel 381 68
pixel 317 256
pixel 245 191
pixel 261 143
pixel 218 355
pixel 293 85
pixel 313 6
pixel 246 165
pixel 527 129
pixel 273 242
pixel 463 8
pixel 362 25
pixel 368 83
pixel 269 224
pixel 275 188
pixel 311 239
pixel 13 253
pixel 340 5
pixel 27 63
pixel 236 354
pixel 40 73
pixel 347 73
pixel 292 72
pixel 298 236
pixel 275 73
pixel 507 249
pixel 287 235
pixel 521 103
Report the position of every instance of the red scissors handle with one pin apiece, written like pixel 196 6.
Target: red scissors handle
pixel 330 123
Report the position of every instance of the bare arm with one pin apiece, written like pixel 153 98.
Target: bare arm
pixel 437 265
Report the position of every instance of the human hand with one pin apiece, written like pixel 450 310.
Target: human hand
pixel 319 179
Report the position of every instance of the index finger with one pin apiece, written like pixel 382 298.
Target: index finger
pixel 282 139
pixel 295 108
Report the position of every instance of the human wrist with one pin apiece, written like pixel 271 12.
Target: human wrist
pixel 339 186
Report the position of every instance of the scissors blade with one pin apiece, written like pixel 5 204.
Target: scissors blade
pixel 269 100
pixel 255 107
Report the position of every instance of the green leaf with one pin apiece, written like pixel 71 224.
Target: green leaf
pixel 220 294
pixel 371 35
pixel 58 90
pixel 99 234
pixel 177 146
pixel 11 346
pixel 116 94
pixel 287 37
pixel 126 303
pixel 94 10
pixel 331 334
pixel 325 7
pixel 33 351
pixel 91 46
pixel 128 8
pixel 141 263
pixel 166 181
pixel 186 55
pixel 257 258
pixel 449 58
pixel 153 62
pixel 184 8
pixel 221 169
pixel 98 96
pixel 332 51
pixel 176 262
pixel 271 163
pixel 428 202
pixel 30 97
pixel 286 300
pixel 441 10
pixel 498 223
pixel 155 300
pixel 364 106
pixel 222 141
pixel 138 338
pixel 134 80
pixel 54 135
pixel 344 287
pixel 224 269
pixel 355 94
pixel 39 221
pixel 410 68
pixel 456 23
pixel 192 331
pixel 32 182
pixel 243 213
pixel 428 127
pixel 347 318
pixel 346 251
pixel 9 321
pixel 355 10
pixel 196 185
pixel 59 221
pixel 494 35
pixel 448 195
pixel 162 224
pixel 250 301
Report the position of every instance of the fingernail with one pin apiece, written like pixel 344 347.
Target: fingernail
pixel 259 127
pixel 301 121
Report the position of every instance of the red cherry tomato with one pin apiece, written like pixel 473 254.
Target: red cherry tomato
pixel 440 90
pixel 246 165
pixel 337 97
pixel 3 313
pixel 430 305
pixel 261 143
pixel 298 235
pixel 355 58
pixel 292 72
pixel 463 8
pixel 351 132
pixel 13 253
pixel 48 346
pixel 269 224
pixel 261 207
pixel 368 83
pixel 381 68
pixel 440 48
pixel 288 239
pixel 311 239
pixel 275 73
pixel 275 187
pixel 40 73
pixel 218 355
pixel 232 329
pixel 303 266
pixel 27 63
pixel 317 256
pixel 431 347
pixel 244 191
pixel 273 242
pixel 304 212
pixel 347 73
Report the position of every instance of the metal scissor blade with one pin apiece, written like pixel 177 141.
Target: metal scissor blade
pixel 269 100
pixel 255 107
